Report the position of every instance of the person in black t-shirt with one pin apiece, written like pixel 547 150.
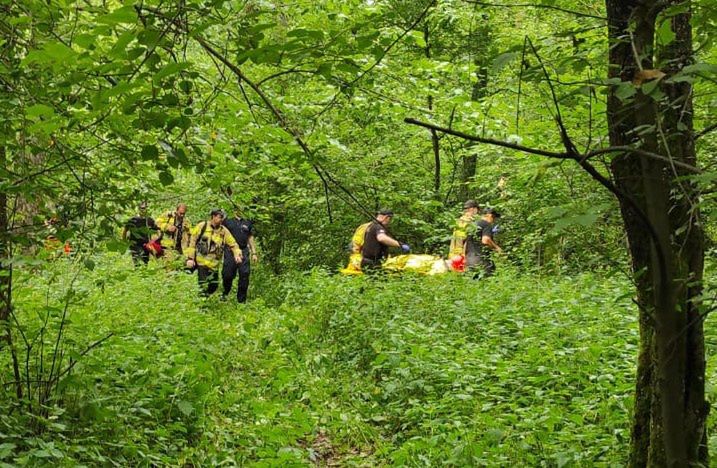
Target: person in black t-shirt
pixel 377 241
pixel 138 230
pixel 243 231
pixel 478 251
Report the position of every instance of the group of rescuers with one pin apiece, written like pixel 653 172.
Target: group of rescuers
pixel 219 241
pixel 229 242
pixel 471 243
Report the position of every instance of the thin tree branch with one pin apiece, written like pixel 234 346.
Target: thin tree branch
pixel 537 5
pixel 490 141
pixel 705 131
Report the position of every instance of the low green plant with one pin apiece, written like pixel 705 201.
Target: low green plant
pixel 324 369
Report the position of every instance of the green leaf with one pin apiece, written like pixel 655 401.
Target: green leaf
pixel 52 52
pixel 625 91
pixel 126 14
pixel 6 449
pixel 39 110
pixel 116 245
pixel 166 178
pixel 120 48
pixel 185 407
pixel 149 152
pixel 417 38
pixel 665 34
pixel 169 69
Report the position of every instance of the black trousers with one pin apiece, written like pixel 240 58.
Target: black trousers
pixel 484 268
pixel 233 269
pixel 208 280
pixel 139 254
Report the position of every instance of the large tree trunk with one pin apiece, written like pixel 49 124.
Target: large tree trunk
pixel 665 235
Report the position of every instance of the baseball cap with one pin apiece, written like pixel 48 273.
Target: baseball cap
pixel 470 204
pixel 492 211
pixel 385 212
pixel 218 211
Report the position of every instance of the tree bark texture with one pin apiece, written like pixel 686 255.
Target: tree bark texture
pixel 667 250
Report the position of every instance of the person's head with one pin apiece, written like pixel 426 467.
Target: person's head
pixel 471 207
pixel 217 217
pixel 491 215
pixel 142 208
pixel 181 209
pixel 384 216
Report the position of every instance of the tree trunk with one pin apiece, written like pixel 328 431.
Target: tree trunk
pixel 435 142
pixel 6 284
pixel 481 42
pixel 664 232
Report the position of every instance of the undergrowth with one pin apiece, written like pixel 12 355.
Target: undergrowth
pixel 329 370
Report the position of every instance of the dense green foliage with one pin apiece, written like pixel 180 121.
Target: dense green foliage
pixel 294 112
pixel 520 369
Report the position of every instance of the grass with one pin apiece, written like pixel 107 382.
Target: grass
pixel 323 369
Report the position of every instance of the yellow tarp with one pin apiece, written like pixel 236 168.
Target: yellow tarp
pixel 423 264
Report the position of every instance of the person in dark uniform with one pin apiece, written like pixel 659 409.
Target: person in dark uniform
pixel 377 241
pixel 481 245
pixel 242 230
pixel 138 230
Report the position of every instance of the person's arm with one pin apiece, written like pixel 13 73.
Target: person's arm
pixel 385 239
pixel 252 249
pixel 186 233
pixel 191 249
pixel 488 240
pixel 229 240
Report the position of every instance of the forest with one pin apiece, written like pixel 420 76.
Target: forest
pixel 582 133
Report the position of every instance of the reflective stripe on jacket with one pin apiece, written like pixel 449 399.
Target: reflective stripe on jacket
pixel 460 234
pixel 169 240
pixel 208 251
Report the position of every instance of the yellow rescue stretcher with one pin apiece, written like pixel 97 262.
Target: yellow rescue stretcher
pixel 417 263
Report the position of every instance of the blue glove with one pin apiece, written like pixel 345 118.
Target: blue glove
pixel 496 229
pixel 405 248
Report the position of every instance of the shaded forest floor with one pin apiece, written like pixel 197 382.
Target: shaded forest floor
pixel 327 370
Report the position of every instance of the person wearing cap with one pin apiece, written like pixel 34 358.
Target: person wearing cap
pixel 206 249
pixel 460 238
pixel 479 252
pixel 138 230
pixel 377 241
pixel 242 229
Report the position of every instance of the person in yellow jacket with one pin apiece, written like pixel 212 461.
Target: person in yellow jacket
pixel 354 265
pixel 176 229
pixel 206 250
pixel 460 237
